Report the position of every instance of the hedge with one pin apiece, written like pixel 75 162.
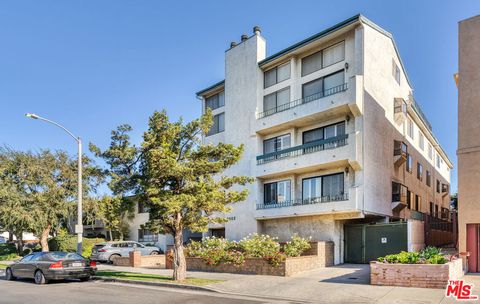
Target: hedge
pixel 68 243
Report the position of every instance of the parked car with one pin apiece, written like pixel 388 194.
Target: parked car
pixel 107 252
pixel 55 265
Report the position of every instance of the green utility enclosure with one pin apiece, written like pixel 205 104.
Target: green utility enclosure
pixel 367 242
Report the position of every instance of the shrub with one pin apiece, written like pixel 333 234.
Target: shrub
pixel 9 257
pixel 296 246
pixel 215 251
pixel 259 246
pixel 26 251
pixel 429 255
pixel 68 243
pixel 7 249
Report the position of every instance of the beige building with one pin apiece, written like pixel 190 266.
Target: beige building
pixel 332 135
pixel 468 81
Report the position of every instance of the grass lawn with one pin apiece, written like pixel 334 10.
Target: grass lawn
pixel 134 276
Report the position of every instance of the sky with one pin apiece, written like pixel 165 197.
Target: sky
pixel 92 65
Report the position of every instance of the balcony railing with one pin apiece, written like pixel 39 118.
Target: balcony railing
pixel 298 102
pixel 314 146
pixel 302 202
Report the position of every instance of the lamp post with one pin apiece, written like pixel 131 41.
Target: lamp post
pixel 79 226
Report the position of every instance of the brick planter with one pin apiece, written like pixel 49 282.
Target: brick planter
pixel 415 275
pixel 318 256
pixel 136 260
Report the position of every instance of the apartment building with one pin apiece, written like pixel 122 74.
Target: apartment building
pixel 468 82
pixel 332 135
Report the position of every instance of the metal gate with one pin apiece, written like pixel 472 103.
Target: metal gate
pixel 366 242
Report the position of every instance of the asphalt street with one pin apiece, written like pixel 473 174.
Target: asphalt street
pixel 25 291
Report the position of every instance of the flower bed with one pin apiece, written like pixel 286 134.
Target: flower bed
pixel 428 268
pixel 253 255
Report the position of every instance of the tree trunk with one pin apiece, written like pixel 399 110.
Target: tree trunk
pixel 10 236
pixel 110 234
pixel 179 262
pixel 19 243
pixel 44 238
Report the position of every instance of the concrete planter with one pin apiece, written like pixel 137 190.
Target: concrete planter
pixel 415 275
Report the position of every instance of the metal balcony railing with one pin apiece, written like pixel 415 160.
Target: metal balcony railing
pixel 296 103
pixel 302 202
pixel 314 146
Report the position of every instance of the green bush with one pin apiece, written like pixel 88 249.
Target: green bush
pixel 26 251
pixel 215 251
pixel 68 243
pixel 7 249
pixel 296 246
pixel 9 257
pixel 429 255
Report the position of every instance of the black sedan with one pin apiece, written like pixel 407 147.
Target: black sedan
pixel 55 265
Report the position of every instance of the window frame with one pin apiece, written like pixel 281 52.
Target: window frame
pixel 212 131
pixel 321 54
pixel 276 100
pixel 219 104
pixel 409 163
pixel 276 191
pixel 322 185
pixel 276 74
pixel 396 73
pixel 322 79
pixel 419 171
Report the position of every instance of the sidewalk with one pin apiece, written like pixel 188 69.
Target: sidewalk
pixel 340 284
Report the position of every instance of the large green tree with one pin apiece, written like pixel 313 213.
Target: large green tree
pixel 122 159
pixel 183 180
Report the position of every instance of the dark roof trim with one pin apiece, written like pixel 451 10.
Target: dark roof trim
pixel 304 42
pixel 213 86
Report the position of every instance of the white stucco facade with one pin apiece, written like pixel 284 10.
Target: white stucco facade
pixel 363 103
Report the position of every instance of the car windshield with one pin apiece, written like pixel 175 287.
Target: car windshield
pixel 65 256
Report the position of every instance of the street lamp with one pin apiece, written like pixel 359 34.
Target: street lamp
pixel 79 226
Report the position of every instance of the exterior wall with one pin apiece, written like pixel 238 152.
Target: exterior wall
pixel 415 275
pixel 468 126
pixel 319 228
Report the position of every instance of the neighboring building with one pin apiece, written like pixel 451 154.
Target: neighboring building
pixel 468 81
pixel 137 232
pixel 332 135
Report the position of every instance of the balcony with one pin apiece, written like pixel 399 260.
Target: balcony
pixel 340 101
pixel 311 147
pixel 301 101
pixel 300 202
pixel 343 206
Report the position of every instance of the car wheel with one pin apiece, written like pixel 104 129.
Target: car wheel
pixel 85 279
pixel 9 275
pixel 154 253
pixel 112 258
pixel 40 278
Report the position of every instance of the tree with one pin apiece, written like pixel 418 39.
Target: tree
pixel 182 179
pixel 122 159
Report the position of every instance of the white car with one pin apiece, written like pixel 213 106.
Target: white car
pixel 3 240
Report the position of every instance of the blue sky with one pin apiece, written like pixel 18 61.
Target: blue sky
pixel 93 65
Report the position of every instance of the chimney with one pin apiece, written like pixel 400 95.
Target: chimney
pixel 233 44
pixel 244 37
pixel 256 30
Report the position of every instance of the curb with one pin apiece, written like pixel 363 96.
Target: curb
pixel 158 284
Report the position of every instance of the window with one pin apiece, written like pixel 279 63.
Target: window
pixel 324 86
pixel 276 101
pixel 218 232
pixel 430 151
pixel 276 144
pixel 395 71
pixel 399 193
pixel 216 101
pixel 330 187
pixel 218 124
pixel 418 203
pixel 145 235
pixel 323 58
pixel 276 75
pixel 333 54
pixel 438 186
pixel 400 148
pixel 409 163
pixel 410 199
pixel 438 161
pixel 324 132
pixel 410 128
pixel 419 171
pixel 436 211
pixel 432 208
pixel 142 208
pixel 429 179
pixel 445 213
pixel 277 192
pixel 421 140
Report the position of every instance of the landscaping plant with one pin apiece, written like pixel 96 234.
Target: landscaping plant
pixel 429 255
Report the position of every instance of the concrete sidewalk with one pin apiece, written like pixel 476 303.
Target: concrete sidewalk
pixel 346 283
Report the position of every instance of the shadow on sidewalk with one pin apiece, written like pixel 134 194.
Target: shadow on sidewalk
pixel 351 274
